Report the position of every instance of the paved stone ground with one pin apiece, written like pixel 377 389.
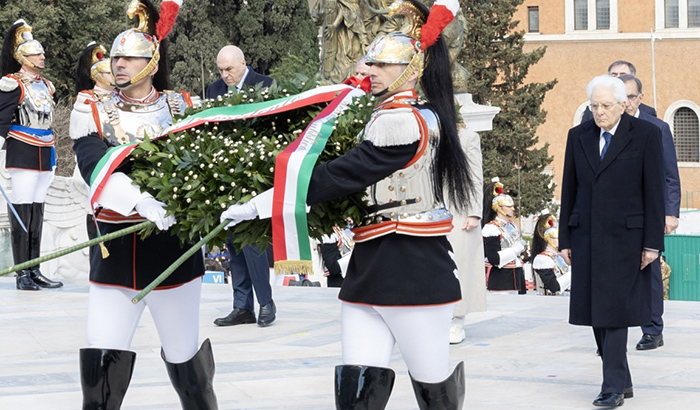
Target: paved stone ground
pixel 519 354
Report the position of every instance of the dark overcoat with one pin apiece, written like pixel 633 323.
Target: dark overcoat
pixel 610 212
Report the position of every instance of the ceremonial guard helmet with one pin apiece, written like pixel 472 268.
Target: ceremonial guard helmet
pixel 545 233
pixel 500 199
pixel 147 39
pixel 92 64
pixel 408 46
pixel 18 44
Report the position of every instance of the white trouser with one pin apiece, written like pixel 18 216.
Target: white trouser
pixel 422 333
pixel 29 186
pixel 112 318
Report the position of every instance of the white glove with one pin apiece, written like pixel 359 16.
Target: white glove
pixel 154 211
pixel 2 141
pixel 260 206
pixel 518 248
pixel 239 213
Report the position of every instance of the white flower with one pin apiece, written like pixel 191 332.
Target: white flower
pixel 203 189
pixel 221 188
pixel 250 164
pixel 272 169
pixel 207 202
pixel 174 196
pixel 233 184
pixel 223 206
pixel 216 175
pixel 159 164
pixel 189 187
pixel 189 200
pixel 195 175
pixel 174 174
pixel 253 193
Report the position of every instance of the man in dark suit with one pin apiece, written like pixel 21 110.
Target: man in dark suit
pixel 235 73
pixel 249 267
pixel 652 336
pixel 616 69
pixel 611 191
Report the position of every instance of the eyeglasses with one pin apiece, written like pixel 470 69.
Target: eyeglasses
pixel 604 106
pixel 632 97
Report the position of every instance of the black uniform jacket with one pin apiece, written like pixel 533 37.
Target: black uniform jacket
pixel 610 212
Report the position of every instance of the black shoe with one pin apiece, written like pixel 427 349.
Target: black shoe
pixel 42 281
pixel 267 314
pixel 25 282
pixel 650 342
pixel 629 392
pixel 236 317
pixel 609 400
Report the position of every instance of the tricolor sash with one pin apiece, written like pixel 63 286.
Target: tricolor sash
pixel 293 167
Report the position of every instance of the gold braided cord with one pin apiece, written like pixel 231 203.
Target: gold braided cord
pixel 416 64
pixel 149 67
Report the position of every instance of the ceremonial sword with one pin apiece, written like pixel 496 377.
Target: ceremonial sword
pixel 12 208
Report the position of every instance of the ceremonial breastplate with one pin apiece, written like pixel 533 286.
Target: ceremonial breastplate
pixel 510 235
pixel 123 122
pixel 408 195
pixel 36 108
pixel 560 267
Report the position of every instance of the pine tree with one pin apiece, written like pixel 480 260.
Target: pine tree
pixel 267 31
pixel 193 46
pixel 493 54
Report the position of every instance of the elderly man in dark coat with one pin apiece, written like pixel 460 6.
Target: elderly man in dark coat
pixel 612 226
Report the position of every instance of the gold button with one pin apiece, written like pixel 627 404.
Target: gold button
pixel 390 188
pixel 403 202
pixel 402 189
pixel 392 214
pixel 405 215
pixel 402 175
pixel 418 199
pixel 430 216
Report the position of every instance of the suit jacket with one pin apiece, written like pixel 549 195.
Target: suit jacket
pixel 610 211
pixel 219 87
pixel 588 115
pixel 672 193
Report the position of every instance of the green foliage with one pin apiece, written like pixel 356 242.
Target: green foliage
pixel 494 56
pixel 267 31
pixel 199 172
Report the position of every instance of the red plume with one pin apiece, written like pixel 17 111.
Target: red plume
pixel 499 190
pixel 441 14
pixel 168 14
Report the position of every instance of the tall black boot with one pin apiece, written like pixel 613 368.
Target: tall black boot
pixel 445 395
pixel 20 244
pixel 362 387
pixel 193 380
pixel 104 377
pixel 35 228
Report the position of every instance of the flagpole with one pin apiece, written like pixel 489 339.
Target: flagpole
pixel 195 248
pixel 58 254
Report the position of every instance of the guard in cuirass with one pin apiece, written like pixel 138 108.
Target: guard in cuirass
pixel 502 242
pixel 552 274
pixel 138 109
pixel 401 283
pixel 94 80
pixel 26 121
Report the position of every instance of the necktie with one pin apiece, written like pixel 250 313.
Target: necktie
pixel 607 137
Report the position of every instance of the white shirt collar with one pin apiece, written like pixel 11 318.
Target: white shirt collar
pixel 241 83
